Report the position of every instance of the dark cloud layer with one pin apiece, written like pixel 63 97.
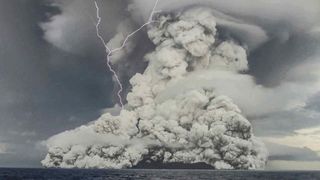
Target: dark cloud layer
pixel 270 62
pixel 43 90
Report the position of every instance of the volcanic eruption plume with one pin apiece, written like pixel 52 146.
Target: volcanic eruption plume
pixel 174 112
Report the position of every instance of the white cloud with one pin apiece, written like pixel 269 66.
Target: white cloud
pixel 3 148
pixel 279 165
pixel 309 138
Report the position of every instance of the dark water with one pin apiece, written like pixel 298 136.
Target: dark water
pixel 74 174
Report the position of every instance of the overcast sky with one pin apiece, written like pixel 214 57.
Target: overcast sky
pixel 43 90
pixel 53 75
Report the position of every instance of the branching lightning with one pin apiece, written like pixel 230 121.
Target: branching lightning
pixel 109 51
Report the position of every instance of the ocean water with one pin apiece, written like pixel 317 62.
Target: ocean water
pixel 79 174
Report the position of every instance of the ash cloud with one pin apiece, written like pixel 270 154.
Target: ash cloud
pixel 196 125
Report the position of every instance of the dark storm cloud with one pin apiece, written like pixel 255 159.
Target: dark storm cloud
pixel 270 62
pixel 314 103
pixel 74 31
pixel 43 90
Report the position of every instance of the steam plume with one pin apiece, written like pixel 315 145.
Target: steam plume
pixel 197 124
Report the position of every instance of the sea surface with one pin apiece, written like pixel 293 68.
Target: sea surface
pixel 152 174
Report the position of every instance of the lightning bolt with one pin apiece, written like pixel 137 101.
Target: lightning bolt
pixel 109 51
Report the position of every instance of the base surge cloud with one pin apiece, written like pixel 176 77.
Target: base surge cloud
pixel 198 124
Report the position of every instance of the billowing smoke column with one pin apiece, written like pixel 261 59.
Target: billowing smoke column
pixel 195 125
